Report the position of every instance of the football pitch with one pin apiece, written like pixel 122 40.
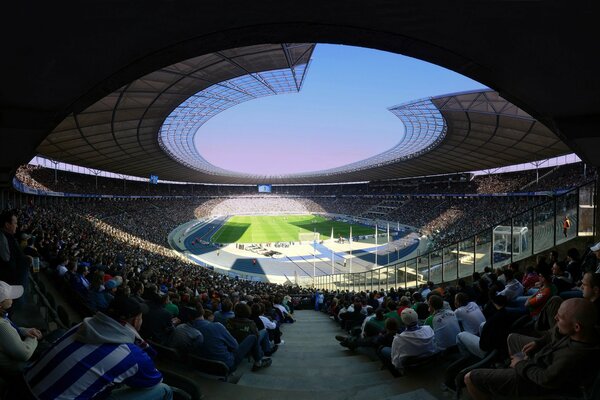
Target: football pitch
pixel 282 228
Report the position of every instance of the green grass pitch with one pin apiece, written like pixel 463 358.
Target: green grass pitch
pixel 281 228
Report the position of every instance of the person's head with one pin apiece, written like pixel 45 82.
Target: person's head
pixel 558 268
pixel 509 274
pixel 226 305
pixel 404 301
pixel 577 318
pixel 596 249
pixel 417 297
pixel 126 309
pixel 590 285
pixel 256 310
pixel 391 325
pixel 409 317
pixel 435 303
pixel 8 222
pixel 7 294
pixel 194 314
pixel 545 274
pixel 461 299
pixel 573 254
pixel 242 310
pixel 553 256
pixel 499 301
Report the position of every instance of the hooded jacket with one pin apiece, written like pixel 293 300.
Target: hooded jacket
pixel 90 359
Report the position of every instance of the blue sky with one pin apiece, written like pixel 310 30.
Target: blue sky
pixel 339 116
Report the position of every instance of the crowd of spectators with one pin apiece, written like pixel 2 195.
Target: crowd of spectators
pixel 100 267
pixel 562 177
pixel 468 322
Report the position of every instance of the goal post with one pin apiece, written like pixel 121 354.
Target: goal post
pixel 308 237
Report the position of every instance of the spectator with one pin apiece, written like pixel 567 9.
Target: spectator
pixel 546 367
pixel 535 303
pixel 220 345
pixel 16 344
pixel 115 336
pixel 513 287
pixel 415 340
pixel 444 323
pixel 468 313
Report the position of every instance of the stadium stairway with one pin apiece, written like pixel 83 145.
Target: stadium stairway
pixel 311 364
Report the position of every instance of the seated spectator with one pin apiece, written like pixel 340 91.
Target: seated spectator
pixel 493 332
pixel 444 323
pixel 158 322
pixel 544 367
pixel 535 303
pixel 271 323
pixel 225 313
pixel 415 340
pixel 63 373
pixel 530 278
pixel 468 313
pixel 561 278
pixel 573 261
pixel 513 288
pixel 353 316
pixel 16 344
pixel 241 326
pixel 590 286
pixel 277 304
pixel 263 334
pixel 185 337
pixel 79 281
pixel 220 345
pixel 100 294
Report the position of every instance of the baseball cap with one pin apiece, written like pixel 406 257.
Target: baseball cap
pixel 409 316
pixel 595 247
pixel 123 307
pixel 110 284
pixel 10 291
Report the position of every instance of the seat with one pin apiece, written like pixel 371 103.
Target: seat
pixel 166 353
pixel 51 301
pixel 183 387
pixel 210 367
pixel 459 380
pixel 63 316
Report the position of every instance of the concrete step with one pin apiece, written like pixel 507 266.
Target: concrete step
pixel 302 382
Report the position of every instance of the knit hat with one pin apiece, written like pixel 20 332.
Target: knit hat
pixel 10 291
pixel 409 317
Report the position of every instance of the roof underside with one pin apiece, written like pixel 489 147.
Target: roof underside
pixel 452 133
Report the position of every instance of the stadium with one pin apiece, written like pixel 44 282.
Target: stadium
pixel 116 223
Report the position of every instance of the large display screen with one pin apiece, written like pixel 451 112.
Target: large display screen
pixel 264 188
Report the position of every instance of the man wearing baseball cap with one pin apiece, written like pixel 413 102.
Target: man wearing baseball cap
pixel 596 249
pixel 96 356
pixel 415 340
pixel 16 344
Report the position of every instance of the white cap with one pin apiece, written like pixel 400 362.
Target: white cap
pixel 9 291
pixel 409 316
pixel 595 247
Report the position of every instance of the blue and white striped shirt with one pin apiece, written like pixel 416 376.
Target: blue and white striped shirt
pixel 72 369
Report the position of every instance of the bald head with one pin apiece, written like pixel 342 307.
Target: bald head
pixel 577 318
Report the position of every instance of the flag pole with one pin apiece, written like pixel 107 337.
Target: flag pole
pixel 350 248
pixel 375 244
pixel 388 241
pixel 314 254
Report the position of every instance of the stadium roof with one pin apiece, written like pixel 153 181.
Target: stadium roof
pixel 148 126
pixel 65 60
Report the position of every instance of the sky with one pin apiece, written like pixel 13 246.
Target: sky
pixel 340 115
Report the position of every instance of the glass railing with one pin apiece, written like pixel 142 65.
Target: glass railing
pixel 516 238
